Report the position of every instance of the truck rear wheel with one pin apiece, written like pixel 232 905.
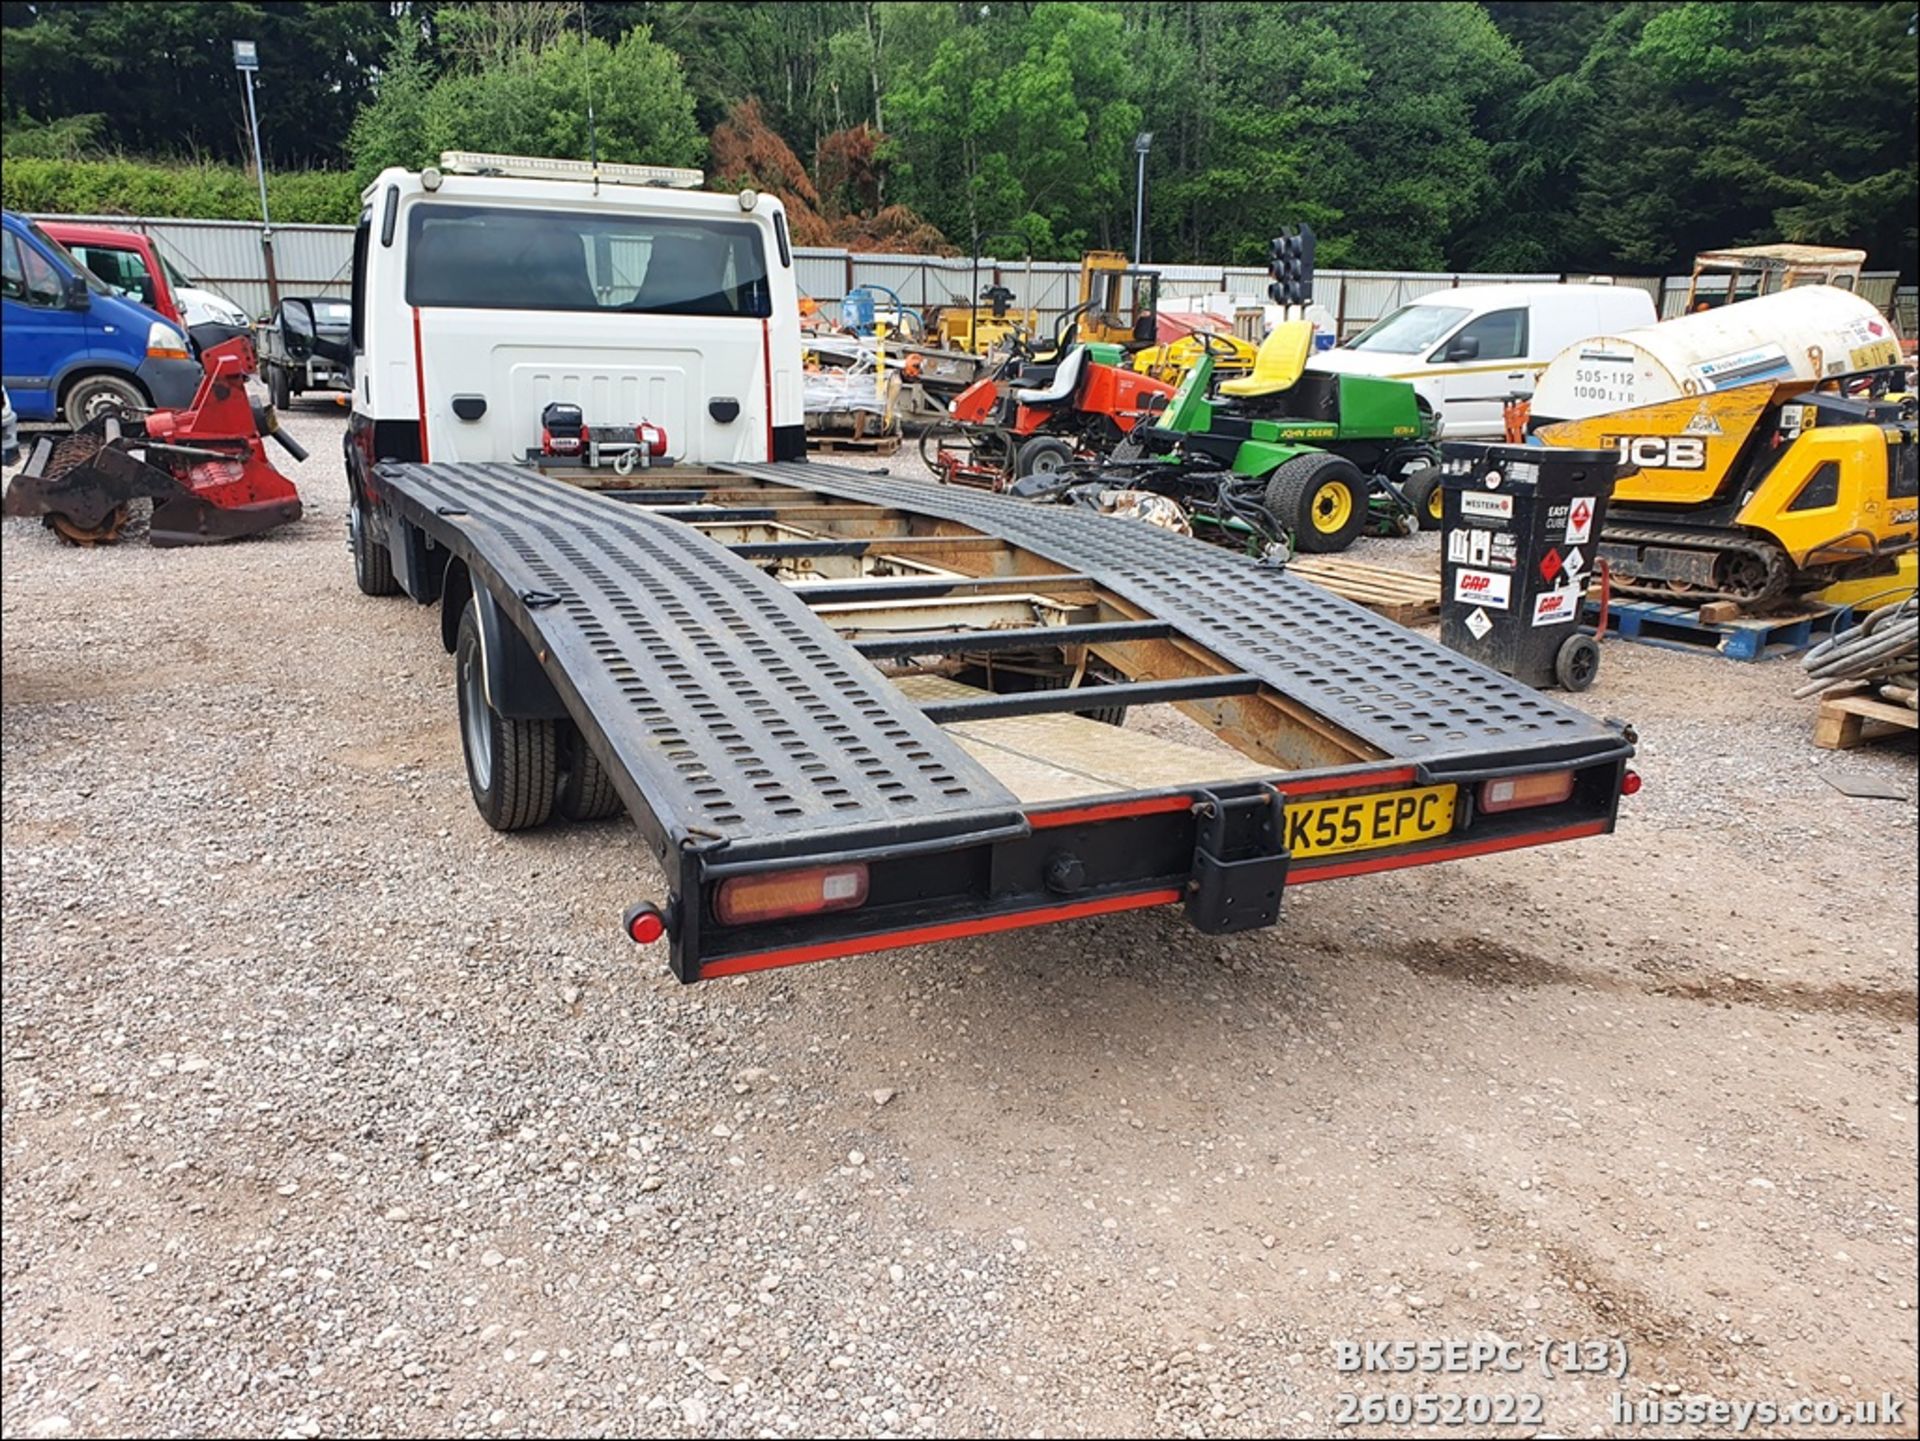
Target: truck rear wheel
pixel 1321 499
pixel 586 790
pixel 512 765
pixel 372 561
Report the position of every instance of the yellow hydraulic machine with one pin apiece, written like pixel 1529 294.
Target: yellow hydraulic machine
pixel 1773 446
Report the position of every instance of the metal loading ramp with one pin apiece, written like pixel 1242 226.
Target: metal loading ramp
pixel 741 716
pixel 1406 695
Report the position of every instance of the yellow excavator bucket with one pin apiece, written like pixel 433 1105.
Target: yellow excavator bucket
pixel 1283 356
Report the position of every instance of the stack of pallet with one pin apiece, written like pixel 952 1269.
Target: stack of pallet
pixel 1868 678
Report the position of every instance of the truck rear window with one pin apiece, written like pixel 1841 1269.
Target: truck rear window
pixel 500 258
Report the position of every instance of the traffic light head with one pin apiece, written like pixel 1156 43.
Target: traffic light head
pixel 1290 262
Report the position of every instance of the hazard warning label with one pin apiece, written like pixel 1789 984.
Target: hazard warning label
pixel 1580 521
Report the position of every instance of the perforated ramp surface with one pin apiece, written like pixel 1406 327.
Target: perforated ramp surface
pixel 1407 695
pixel 741 716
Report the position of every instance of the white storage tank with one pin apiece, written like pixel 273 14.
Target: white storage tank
pixel 1808 333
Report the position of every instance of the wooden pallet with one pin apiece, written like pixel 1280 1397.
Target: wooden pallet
pixel 1677 627
pixel 1853 718
pixel 1395 594
pixel 854 444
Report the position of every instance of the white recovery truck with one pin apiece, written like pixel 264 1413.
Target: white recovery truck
pixel 848 712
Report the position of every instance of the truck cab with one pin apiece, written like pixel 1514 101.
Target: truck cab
pixel 492 288
pixel 130 262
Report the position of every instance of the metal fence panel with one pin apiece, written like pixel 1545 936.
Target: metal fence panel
pixel 1053 289
pixel 1878 287
pixel 822 275
pixel 225 255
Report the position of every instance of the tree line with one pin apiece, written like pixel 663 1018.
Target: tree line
pixel 1508 135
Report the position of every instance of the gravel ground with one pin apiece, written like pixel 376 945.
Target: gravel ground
pixel 327 1109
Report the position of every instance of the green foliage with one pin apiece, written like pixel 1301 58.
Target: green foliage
pixel 1023 126
pixel 536 104
pixel 1511 134
pixel 392 130
pixel 72 137
pixel 204 191
pixel 162 72
pixel 510 96
pixel 1745 122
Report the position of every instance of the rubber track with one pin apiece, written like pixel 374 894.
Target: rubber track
pixel 1779 564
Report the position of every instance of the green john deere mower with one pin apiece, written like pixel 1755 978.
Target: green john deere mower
pixel 1283 457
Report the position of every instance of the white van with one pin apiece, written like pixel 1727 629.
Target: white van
pixel 1471 349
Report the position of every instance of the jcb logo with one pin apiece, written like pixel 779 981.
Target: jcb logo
pixel 1662 452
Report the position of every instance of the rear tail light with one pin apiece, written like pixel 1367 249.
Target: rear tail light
pixel 1630 783
pixel 646 923
pixel 781 895
pixel 1517 793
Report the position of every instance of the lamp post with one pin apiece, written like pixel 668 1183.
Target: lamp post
pixel 246 59
pixel 1142 143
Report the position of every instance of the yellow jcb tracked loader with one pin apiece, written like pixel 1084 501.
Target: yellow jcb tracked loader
pixel 1774 454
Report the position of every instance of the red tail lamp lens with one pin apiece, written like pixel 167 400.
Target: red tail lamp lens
pixel 645 924
pixel 1630 783
pixel 781 895
pixel 1515 793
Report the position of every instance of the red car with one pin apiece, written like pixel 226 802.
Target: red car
pixel 131 262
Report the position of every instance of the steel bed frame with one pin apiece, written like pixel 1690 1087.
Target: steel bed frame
pixel 718 636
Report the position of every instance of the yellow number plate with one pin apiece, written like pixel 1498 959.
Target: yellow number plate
pixel 1363 823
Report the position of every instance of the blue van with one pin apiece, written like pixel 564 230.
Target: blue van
pixel 70 347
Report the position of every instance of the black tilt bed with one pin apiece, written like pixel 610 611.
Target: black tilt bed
pixel 851 712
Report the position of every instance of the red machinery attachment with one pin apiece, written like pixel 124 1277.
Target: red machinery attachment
pixel 1052 416
pixel 205 468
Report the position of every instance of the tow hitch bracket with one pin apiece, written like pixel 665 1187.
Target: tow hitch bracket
pixel 1239 862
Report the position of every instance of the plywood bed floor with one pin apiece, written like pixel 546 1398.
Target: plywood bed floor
pixel 1045 758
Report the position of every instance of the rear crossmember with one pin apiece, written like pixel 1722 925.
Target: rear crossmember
pixel 852 714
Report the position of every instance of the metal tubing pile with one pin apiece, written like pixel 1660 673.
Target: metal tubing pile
pixel 1883 651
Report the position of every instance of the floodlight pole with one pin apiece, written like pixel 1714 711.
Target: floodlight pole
pixel 1142 143
pixel 246 59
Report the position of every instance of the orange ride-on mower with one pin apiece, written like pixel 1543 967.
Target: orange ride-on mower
pixel 205 468
pixel 1041 418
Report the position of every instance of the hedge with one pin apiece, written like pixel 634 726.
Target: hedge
pixel 192 192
